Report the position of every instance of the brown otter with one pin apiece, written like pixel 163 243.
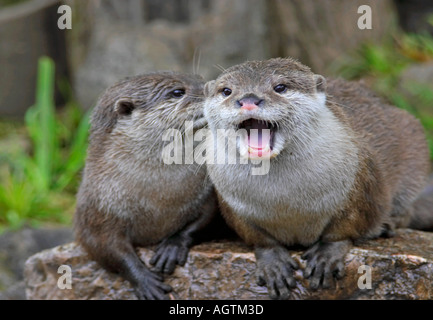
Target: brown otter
pixel 343 166
pixel 128 196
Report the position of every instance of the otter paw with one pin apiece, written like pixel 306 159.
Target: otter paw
pixel 275 270
pixel 171 251
pixel 151 287
pixel 325 261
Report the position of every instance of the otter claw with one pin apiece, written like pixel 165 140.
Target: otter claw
pixel 171 251
pixel 275 270
pixel 325 261
pixel 151 287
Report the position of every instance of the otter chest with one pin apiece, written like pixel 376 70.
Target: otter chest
pixel 282 221
pixel 293 206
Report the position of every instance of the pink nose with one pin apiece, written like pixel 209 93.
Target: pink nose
pixel 249 106
pixel 249 103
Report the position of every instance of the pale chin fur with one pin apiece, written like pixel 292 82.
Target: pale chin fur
pixel 318 158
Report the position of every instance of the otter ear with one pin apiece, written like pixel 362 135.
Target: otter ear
pixel 320 88
pixel 124 106
pixel 208 88
pixel 320 83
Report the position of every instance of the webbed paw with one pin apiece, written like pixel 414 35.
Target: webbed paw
pixel 170 252
pixel 151 287
pixel 325 261
pixel 275 270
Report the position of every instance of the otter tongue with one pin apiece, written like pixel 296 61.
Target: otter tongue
pixel 259 138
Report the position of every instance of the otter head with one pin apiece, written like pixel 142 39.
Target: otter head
pixel 279 98
pixel 139 109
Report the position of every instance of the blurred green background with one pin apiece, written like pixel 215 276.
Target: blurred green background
pixel 51 78
pixel 41 158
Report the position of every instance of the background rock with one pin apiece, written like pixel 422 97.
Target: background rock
pixel 121 50
pixel 413 14
pixel 189 35
pixel 111 39
pixel 319 33
pixel 16 248
pixel 416 85
pixel 401 268
pixel 206 36
pixel 28 31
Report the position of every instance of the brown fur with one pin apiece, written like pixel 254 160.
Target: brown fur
pixel 128 196
pixel 397 144
pixel 385 152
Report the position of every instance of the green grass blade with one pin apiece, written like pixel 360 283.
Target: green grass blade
pixel 42 123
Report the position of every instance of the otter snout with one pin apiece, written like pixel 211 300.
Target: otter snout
pixel 249 102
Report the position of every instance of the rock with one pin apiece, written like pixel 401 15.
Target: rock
pixel 28 30
pixel 421 73
pixel 414 14
pixel 401 268
pixel 16 247
pixel 121 50
pixel 145 35
pixel 170 35
pixel 319 33
pixel 16 291
pixel 416 85
pixel 229 33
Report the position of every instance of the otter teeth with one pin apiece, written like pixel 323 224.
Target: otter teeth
pixel 264 150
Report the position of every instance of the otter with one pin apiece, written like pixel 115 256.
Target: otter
pixel 344 166
pixel 128 196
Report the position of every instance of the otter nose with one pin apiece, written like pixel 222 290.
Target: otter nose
pixel 250 102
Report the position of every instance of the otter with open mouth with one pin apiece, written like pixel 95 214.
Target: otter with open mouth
pixel 344 166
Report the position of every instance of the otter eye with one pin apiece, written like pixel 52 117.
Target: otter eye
pixel 226 92
pixel 178 93
pixel 280 88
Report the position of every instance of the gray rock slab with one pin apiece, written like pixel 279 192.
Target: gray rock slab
pixel 401 268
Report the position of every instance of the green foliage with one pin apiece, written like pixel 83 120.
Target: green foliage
pixel 382 66
pixel 35 182
pixel 375 60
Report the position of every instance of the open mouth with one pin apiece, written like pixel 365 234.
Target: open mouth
pixel 259 139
